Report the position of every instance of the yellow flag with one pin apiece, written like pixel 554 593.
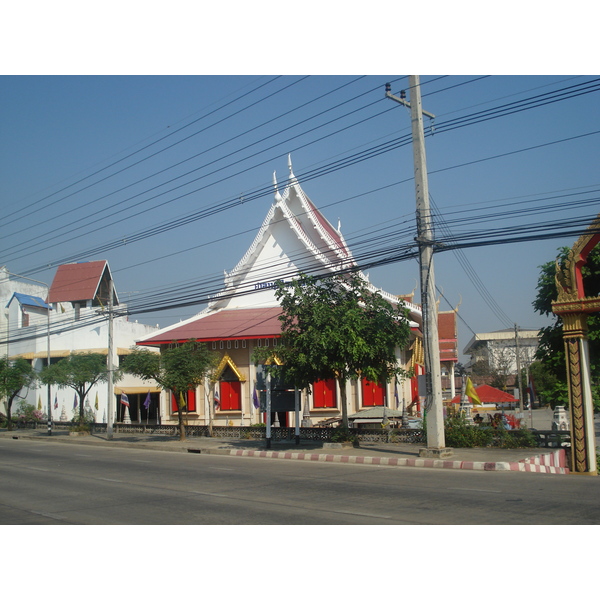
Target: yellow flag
pixel 39 406
pixel 96 403
pixel 181 400
pixel 470 391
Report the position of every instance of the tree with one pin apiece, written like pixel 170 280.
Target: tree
pixel 549 389
pixel 336 328
pixel 551 352
pixel 14 376
pixel 177 369
pixel 79 372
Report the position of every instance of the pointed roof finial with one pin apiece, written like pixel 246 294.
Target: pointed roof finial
pixel 292 176
pixel 278 197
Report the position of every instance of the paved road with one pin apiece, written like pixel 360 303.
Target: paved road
pixel 75 484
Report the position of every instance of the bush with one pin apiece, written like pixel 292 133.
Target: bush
pixel 28 412
pixel 459 434
pixel 88 416
pixel 517 438
pixel 81 427
pixel 343 434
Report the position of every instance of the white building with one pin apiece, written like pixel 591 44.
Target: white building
pixel 78 322
pixel 498 349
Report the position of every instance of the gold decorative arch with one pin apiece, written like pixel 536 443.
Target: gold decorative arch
pixel 573 307
pixel 227 361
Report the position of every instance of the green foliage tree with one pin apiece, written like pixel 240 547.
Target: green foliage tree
pixel 15 376
pixel 80 372
pixel 549 389
pixel 178 369
pixel 551 352
pixel 337 328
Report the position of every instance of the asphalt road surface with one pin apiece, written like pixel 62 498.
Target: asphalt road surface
pixel 45 483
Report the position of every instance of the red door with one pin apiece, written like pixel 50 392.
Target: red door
pixel 231 395
pixel 324 394
pixel 373 393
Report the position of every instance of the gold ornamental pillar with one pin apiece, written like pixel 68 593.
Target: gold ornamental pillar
pixel 573 307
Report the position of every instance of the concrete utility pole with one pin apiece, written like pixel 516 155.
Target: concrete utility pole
pixel 109 365
pixel 436 445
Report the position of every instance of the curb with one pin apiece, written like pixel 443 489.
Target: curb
pixel 554 462
pixel 536 464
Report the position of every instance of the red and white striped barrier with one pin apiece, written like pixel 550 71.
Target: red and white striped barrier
pixel 554 462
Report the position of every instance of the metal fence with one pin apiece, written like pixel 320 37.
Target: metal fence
pixel 547 439
pixel 315 434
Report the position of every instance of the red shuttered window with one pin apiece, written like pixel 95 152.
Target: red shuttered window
pixel 231 395
pixel 373 393
pixel 325 394
pixel 189 397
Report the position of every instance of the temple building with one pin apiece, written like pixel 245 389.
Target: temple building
pixel 294 238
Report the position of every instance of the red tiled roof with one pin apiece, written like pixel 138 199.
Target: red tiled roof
pixel 77 281
pixel 490 395
pixel 335 236
pixel 242 323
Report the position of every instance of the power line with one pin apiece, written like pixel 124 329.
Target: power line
pixel 221 107
pixel 319 172
pixel 203 166
pixel 267 190
pixel 206 290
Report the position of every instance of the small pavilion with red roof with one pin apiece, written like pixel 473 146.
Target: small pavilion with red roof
pixel 491 395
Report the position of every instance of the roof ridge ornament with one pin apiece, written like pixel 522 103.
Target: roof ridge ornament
pixel 292 176
pixel 278 197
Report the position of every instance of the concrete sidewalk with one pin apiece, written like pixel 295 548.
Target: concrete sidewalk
pixel 529 460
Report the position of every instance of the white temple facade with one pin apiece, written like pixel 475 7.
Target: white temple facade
pixel 294 238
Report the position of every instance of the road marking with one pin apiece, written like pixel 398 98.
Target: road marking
pixel 220 469
pixel 475 490
pixel 47 515
pixel 362 514
pixel 113 480
pixel 209 494
pixel 38 469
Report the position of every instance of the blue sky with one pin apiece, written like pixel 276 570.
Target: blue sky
pixel 70 181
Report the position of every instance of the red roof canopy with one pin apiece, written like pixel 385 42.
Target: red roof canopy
pixel 490 395
pixel 242 323
pixel 77 281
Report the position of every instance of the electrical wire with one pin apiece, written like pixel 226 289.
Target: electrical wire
pixel 372 258
pixel 366 156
